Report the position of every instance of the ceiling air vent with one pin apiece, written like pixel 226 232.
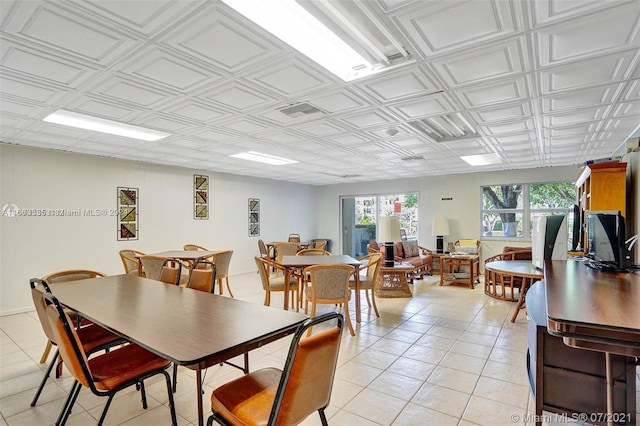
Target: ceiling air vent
pixel 413 158
pixel 445 128
pixel 299 110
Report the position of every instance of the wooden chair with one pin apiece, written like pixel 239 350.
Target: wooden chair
pixel 329 284
pixel 271 396
pixel 163 269
pixel 273 283
pixel 107 374
pixel 371 267
pixel 313 252
pixel 193 247
pixel 68 275
pixel 285 249
pixel 262 248
pixel 130 260
pixel 502 285
pixel 93 338
pixel 320 244
pixel 294 238
pixel 222 261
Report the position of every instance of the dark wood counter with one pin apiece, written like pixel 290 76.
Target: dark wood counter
pixel 592 309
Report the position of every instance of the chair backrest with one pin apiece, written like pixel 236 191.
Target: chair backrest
pixel 72 275
pixel 320 244
pixel 469 246
pixel 163 269
pixel 263 265
pixel 330 281
pixel 130 260
pixel 294 238
pixel 373 262
pixel 308 374
pixel 69 345
pixel 193 247
pixel 286 249
pixel 262 248
pixel 313 252
pixel 38 289
pixel 222 261
pixel 203 276
pixel 373 247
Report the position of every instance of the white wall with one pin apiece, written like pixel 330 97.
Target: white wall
pixel 34 246
pixel 462 211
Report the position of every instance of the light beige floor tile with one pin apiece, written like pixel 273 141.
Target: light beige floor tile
pixel 501 391
pixel 357 373
pixel 396 385
pixel 453 379
pixel 443 400
pixel 414 414
pixel 412 368
pixel 343 417
pixel 375 406
pixel 465 363
pixel 394 347
pixel 486 412
pixel 471 349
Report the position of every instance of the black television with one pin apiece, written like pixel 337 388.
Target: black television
pixel 605 244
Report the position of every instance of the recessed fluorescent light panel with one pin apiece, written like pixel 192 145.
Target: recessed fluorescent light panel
pixel 263 158
pixel 291 23
pixel 74 119
pixel 482 160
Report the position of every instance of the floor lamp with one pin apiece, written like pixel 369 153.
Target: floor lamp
pixel 440 229
pixel 389 232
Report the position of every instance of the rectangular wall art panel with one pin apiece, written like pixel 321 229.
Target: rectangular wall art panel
pixel 254 217
pixel 200 197
pixel 127 214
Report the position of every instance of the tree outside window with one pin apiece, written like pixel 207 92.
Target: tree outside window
pixel 504 207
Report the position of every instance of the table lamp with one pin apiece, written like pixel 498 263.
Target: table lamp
pixel 440 229
pixel 389 232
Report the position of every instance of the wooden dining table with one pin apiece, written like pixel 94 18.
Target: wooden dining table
pixel 293 263
pixel 188 327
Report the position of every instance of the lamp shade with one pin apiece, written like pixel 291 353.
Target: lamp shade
pixel 389 229
pixel 440 225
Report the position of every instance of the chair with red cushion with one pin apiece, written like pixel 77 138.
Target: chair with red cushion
pixel 107 374
pixel 271 396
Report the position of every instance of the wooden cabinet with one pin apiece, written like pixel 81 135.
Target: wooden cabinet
pixel 601 186
pixel 570 381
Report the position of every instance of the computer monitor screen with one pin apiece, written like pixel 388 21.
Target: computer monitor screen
pixel 606 239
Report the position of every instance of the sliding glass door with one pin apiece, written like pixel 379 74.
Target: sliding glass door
pixel 359 216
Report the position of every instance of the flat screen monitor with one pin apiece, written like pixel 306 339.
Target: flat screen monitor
pixel 549 239
pixel 605 244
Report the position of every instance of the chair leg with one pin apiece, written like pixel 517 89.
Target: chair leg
pixel 267 298
pixel 106 407
pixel 175 376
pixel 45 353
pixel 143 394
pixel 323 417
pixel 172 406
pixel 366 294
pixel 44 379
pixel 228 288
pixel 68 404
pixel 373 300
pixel 348 318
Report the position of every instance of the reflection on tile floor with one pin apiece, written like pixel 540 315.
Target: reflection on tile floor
pixel 447 356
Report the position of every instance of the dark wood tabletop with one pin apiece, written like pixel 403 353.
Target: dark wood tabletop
pixel 296 262
pixel 592 309
pixel 189 327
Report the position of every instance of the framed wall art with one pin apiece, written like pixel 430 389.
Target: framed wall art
pixel 200 197
pixel 254 217
pixel 127 214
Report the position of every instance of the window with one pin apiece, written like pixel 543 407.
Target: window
pixel 505 207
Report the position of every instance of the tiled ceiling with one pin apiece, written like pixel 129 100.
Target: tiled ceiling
pixel 539 82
